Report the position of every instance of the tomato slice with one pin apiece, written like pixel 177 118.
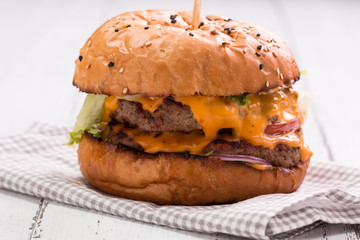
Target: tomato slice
pixel 284 127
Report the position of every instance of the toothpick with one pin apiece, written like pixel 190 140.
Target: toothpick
pixel 196 15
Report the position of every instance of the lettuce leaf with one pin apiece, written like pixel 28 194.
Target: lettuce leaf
pixel 303 73
pixel 88 118
pixel 241 100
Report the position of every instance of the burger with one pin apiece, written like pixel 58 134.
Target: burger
pixel 188 115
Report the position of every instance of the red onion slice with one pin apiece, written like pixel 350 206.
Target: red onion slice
pixel 240 158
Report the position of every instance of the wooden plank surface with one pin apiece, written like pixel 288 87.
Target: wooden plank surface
pixel 41 39
pixel 19 215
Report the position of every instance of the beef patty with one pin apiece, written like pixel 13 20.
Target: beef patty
pixel 282 155
pixel 170 116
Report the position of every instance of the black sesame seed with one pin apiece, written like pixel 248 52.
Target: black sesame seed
pixel 191 34
pixel 111 64
pixel 146 28
pixel 173 21
pixel 186 29
pixel 116 30
pixel 228 20
pixel 208 18
pixel 257 54
pixel 173 16
pixel 228 31
pixel 270 40
pixel 223 43
pixel 258 34
pixel 128 26
pixel 156 135
pixel 201 24
pixel 232 29
pixel 80 58
pixel 261 66
pixel 259 47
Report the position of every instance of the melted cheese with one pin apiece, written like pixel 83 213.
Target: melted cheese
pixel 149 104
pixel 215 113
pixel 110 105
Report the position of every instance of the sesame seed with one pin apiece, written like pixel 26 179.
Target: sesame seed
pixel 111 64
pixel 278 71
pixel 281 76
pixel 80 58
pixel 245 29
pixel 125 90
pixel 269 40
pixel 274 53
pixel 186 29
pixel 88 66
pixel 173 16
pixel 121 70
pixel 146 28
pixel 173 21
pixel 158 26
pixel 258 34
pixel 128 26
pixel 267 83
pixel 214 32
pixel 116 30
pixel 228 20
pixel 233 40
pixel 201 24
pixel 259 47
pixel 232 29
pixel 266 49
pixel 148 43
pixel 223 43
pixel 257 54
pixel 191 34
pixel 209 19
pixel 261 66
pixel 245 50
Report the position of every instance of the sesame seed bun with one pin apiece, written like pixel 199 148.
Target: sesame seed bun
pixel 169 178
pixel 155 53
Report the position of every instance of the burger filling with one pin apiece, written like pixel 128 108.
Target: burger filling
pixel 266 126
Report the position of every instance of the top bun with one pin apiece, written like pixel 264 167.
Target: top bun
pixel 155 53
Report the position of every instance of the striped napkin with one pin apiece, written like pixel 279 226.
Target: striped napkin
pixel 37 163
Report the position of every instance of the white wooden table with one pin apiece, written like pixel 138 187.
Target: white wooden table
pixel 39 41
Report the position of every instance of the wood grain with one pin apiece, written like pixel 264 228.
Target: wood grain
pixel 19 215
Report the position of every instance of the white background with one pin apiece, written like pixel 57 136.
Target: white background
pixel 40 40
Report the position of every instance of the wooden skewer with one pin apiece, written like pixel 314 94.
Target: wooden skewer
pixel 196 15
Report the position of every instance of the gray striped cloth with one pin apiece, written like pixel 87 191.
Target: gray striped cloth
pixel 37 163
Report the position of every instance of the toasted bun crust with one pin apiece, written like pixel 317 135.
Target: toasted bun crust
pixel 165 59
pixel 177 178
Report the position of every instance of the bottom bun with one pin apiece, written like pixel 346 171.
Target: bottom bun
pixel 171 178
